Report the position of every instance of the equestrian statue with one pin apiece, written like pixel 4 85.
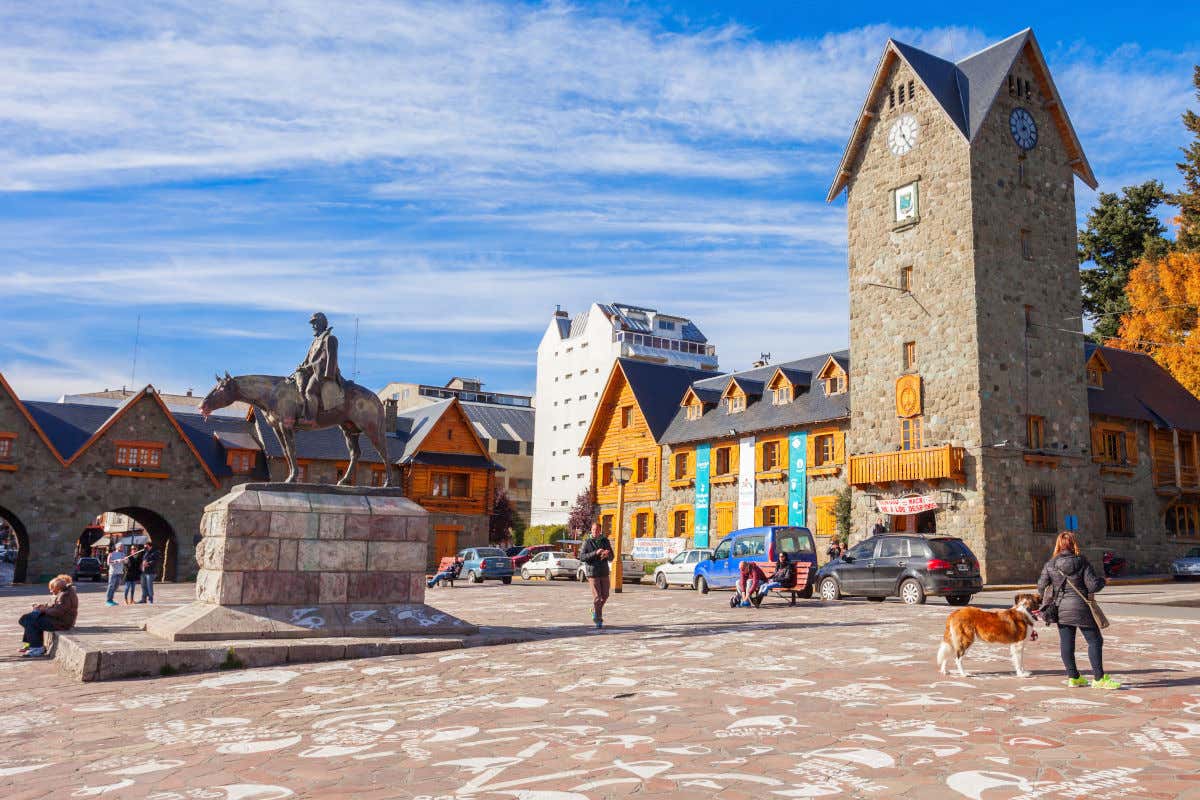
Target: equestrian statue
pixel 312 398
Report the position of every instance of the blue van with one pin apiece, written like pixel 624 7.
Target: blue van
pixel 762 544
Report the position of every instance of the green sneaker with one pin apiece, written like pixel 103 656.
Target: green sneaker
pixel 1107 682
pixel 1077 683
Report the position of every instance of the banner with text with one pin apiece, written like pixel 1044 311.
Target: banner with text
pixel 700 527
pixel 746 483
pixel 658 549
pixel 797 479
pixel 907 505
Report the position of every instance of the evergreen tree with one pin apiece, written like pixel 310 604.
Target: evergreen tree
pixel 1188 198
pixel 503 518
pixel 1121 230
pixel 583 514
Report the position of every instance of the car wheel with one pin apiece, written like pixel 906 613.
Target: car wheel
pixel 911 593
pixel 876 599
pixel 549 575
pixel 506 581
pixel 701 585
pixel 958 599
pixel 524 574
pixel 830 589
pixel 473 578
pixel 660 580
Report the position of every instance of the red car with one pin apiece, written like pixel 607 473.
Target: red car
pixel 529 552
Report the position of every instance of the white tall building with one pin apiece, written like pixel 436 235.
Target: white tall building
pixel 574 359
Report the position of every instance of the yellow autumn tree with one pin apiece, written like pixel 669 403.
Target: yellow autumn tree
pixel 1164 295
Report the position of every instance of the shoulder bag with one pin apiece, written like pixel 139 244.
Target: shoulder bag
pixel 1093 606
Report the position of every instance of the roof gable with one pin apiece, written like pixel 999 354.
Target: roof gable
pixel 1140 389
pixel 966 92
pixel 33 423
pixel 831 369
pixel 440 438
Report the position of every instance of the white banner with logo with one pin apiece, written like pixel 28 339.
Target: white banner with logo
pixel 746 483
pixel 650 549
pixel 907 505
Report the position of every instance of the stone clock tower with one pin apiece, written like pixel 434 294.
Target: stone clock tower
pixel 967 369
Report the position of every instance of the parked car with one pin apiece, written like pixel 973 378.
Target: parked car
pixel 512 551
pixel 1188 566
pixel 907 566
pixel 551 564
pixel 762 544
pixel 631 570
pixel 88 567
pixel 482 563
pixel 680 570
pixel 527 553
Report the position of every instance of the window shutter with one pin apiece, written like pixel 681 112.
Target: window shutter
pixel 1131 448
pixel 758 456
pixel 735 456
pixel 811 454
pixel 839 447
pixel 1097 444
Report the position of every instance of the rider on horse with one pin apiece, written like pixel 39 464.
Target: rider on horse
pixel 319 365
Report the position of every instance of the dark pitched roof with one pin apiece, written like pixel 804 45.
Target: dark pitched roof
pixel 323 445
pixel 980 76
pixel 501 422
pixel 1138 388
pixel 207 436
pixel 941 78
pixel 68 425
pixel 797 377
pixel 658 389
pixel 808 406
pixel 413 426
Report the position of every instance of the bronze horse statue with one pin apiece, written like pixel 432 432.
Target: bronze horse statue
pixel 353 408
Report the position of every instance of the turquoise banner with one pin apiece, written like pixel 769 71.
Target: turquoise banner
pixel 798 479
pixel 700 530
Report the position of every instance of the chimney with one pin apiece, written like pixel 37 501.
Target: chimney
pixel 390 407
pixel 558 311
pixel 189 392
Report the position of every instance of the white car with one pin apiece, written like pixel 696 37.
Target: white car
pixel 680 570
pixel 631 570
pixel 550 564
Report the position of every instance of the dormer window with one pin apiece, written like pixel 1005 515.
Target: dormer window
pixel 737 404
pixel 1097 365
pixel 782 396
pixel 1095 377
pixel 695 411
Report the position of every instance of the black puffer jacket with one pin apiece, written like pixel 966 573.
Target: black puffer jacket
pixel 1078 570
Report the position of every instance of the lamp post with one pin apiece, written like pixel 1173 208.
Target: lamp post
pixel 622 474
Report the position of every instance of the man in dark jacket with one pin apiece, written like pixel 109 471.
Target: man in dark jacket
pixel 150 563
pixel 784 577
pixel 596 553
pixel 1068 571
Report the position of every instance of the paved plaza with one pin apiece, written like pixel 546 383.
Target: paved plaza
pixel 680 696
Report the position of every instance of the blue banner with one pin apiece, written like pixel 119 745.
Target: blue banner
pixel 700 530
pixel 798 479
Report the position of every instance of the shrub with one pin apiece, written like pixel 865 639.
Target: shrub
pixel 544 534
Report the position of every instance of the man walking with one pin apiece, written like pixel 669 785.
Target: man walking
pixel 596 553
pixel 116 572
pixel 150 562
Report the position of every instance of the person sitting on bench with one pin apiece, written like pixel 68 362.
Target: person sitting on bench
pixel 751 578
pixel 783 578
pixel 57 615
pixel 450 573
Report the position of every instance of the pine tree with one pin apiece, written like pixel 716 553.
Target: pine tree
pixel 1121 230
pixel 583 514
pixel 503 518
pixel 1188 198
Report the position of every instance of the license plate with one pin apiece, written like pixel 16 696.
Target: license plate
pixel 962 567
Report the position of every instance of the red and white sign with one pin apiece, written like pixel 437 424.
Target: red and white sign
pixel 907 505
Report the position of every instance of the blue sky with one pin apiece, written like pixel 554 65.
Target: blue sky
pixel 449 172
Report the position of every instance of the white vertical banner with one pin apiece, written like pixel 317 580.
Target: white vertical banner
pixel 746 483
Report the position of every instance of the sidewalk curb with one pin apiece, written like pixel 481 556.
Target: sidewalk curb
pixel 1146 581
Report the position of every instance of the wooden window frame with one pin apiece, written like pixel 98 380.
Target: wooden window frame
pixel 777 509
pixel 1125 440
pixel 694 411
pixel 607 474
pixel 129 454
pixel 449 477
pixel 237 462
pixel 378 474
pixel 823 442
pixel 626 416
pixel 686 511
pixel 1118 517
pixel 1190 513
pixel 1042 511
pixel 906 275
pixel 607 522
pixel 1095 377
pixel 681 476
pixel 908 355
pixel 782 396
pixel 824 520
pixel 644 513
pixel 735 404
pixel 7 438
pixel 643 473
pixel 724 510
pixel 912 434
pixel 1035 432
pixel 731 463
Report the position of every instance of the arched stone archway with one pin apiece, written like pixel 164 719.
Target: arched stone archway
pixel 161 534
pixel 21 565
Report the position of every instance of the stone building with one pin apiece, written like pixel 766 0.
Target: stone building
pixel 975 408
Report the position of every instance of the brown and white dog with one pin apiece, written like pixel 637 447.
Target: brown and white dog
pixel 1009 627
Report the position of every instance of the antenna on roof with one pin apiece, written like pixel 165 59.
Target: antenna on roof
pixel 137 335
pixel 763 360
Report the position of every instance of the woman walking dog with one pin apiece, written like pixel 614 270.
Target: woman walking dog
pixel 1073 581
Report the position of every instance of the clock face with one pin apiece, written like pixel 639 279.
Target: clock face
pixel 903 135
pixel 1024 129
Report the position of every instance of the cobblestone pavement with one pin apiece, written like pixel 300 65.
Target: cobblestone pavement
pixel 680 696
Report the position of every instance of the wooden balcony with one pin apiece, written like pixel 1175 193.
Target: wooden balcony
pixel 926 464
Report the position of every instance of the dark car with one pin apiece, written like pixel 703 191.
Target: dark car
pixel 88 567
pixel 527 553
pixel 910 567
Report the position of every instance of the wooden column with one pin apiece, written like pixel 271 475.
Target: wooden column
pixel 620 532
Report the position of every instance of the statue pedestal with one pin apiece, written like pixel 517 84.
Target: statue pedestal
pixel 298 561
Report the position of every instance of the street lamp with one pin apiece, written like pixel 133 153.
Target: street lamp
pixel 622 474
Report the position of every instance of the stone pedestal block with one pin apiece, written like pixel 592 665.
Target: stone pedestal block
pixel 288 561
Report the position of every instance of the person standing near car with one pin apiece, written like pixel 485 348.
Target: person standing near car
pixel 116 573
pixel 596 554
pixel 150 563
pixel 1065 566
